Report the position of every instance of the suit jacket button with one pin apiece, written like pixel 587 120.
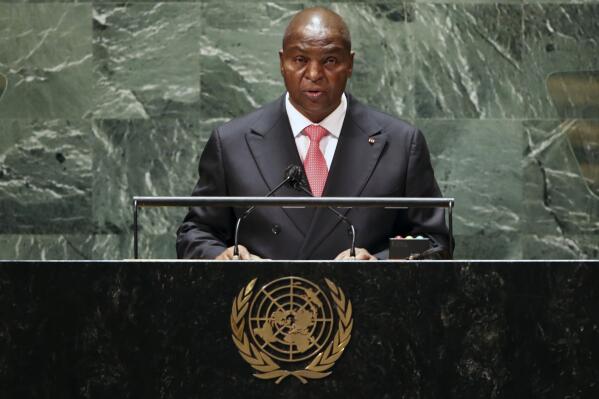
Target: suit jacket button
pixel 276 229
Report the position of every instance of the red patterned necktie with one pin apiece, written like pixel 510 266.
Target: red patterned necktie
pixel 315 164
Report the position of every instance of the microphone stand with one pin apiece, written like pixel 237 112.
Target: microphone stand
pixel 298 184
pixel 290 173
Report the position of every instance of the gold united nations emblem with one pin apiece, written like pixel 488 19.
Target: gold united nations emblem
pixel 288 328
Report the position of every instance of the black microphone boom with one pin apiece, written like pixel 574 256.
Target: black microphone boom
pixel 291 173
pixel 299 182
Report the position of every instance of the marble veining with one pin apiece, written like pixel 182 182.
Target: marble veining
pixel 146 59
pixel 3 85
pixel 568 204
pixel 45 176
pixel 467 68
pixel 557 38
pixel 488 194
pixel 136 157
pixel 45 53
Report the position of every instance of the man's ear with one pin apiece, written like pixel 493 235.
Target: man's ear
pixel 281 61
pixel 351 62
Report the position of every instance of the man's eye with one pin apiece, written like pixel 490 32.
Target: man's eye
pixel 300 59
pixel 331 61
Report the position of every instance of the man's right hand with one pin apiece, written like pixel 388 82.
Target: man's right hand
pixel 244 254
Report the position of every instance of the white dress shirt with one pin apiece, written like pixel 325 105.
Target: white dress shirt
pixel 332 123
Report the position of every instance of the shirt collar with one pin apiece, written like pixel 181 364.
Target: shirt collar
pixel 333 122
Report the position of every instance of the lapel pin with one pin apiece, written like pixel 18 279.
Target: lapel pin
pixel 371 140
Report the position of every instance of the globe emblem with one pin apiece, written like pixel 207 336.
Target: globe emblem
pixel 291 319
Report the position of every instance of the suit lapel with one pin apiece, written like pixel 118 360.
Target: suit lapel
pixel 272 145
pixel 356 156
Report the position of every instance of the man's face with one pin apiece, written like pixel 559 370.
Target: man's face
pixel 315 65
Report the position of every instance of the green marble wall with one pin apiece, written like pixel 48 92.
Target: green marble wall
pixel 100 101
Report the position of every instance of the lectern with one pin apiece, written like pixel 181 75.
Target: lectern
pixel 189 329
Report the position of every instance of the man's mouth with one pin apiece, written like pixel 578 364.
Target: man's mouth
pixel 314 93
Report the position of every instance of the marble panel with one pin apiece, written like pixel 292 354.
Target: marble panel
pixel 3 84
pixel 538 246
pixel 146 59
pixel 466 1
pixel 503 1
pixel 468 60
pixel 559 1
pixel 46 247
pixel 151 246
pixel 559 200
pixel 46 1
pixel 383 64
pixel 153 157
pixel 240 66
pixel 557 38
pixel 45 176
pixel 485 246
pixel 239 56
pixel 46 53
pixel 479 164
pixel 84 247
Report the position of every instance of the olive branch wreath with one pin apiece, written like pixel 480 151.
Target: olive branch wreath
pixel 264 365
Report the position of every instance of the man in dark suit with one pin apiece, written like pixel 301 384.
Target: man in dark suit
pixel 345 147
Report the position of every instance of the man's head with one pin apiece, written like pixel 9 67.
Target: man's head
pixel 316 61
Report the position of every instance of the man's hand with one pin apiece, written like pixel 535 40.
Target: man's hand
pixel 361 254
pixel 244 254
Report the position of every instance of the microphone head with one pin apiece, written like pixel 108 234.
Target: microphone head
pixel 296 177
pixel 293 172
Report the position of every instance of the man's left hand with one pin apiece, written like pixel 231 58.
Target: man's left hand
pixel 361 254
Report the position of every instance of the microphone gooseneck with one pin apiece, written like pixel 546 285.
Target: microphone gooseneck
pixel 298 181
pixel 291 172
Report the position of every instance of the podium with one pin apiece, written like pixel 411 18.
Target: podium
pixel 422 329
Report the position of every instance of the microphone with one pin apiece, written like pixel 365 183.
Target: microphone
pixel 299 182
pixel 291 173
pixel 429 252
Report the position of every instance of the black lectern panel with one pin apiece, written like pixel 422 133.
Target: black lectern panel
pixel 420 330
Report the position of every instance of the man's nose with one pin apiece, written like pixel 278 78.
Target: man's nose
pixel 314 71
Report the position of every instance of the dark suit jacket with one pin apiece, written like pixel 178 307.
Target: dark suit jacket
pixel 248 156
